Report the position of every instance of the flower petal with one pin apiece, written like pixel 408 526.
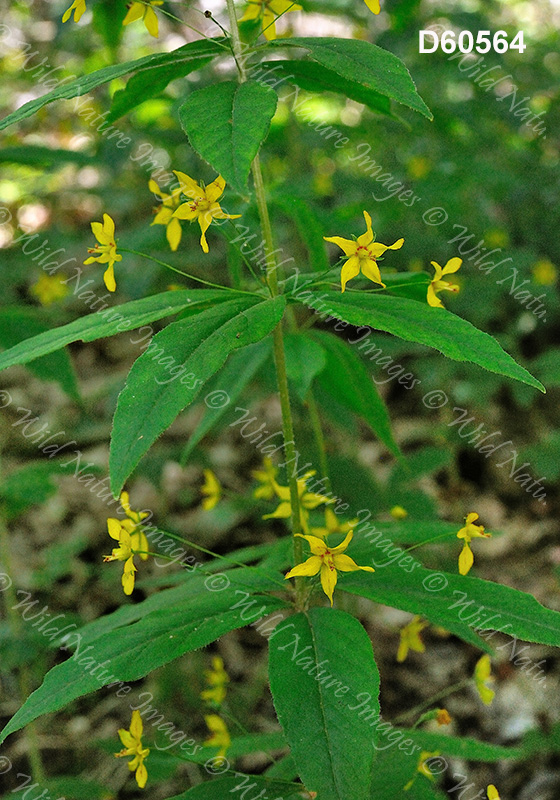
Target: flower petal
pixel 109 278
pixel 328 581
pixel 367 237
pixel 136 11
pixel 452 266
pixel 343 545
pixel 371 270
pixel 151 22
pixel 215 189
pixel 136 726
pixel 349 270
pixel 466 559
pixel 349 246
pixel 433 299
pixel 373 5
pixel 174 233
pixel 308 568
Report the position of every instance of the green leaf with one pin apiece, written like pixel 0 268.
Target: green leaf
pixel 465 748
pixel 363 63
pixel 113 320
pixel 346 378
pixel 222 789
pixel 305 359
pixel 435 327
pixel 462 604
pixel 171 373
pixel 17 323
pixel 321 669
pixel 309 228
pixel 39 156
pixel 149 83
pixel 226 124
pixel 200 51
pixel 128 652
pixel 315 78
pixel 226 387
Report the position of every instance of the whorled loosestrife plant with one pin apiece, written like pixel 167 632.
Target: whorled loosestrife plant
pixel 323 675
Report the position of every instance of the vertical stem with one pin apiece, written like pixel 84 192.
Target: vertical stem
pixel 278 335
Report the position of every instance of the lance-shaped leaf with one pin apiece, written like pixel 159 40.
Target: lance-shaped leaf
pixel 464 605
pixel 435 327
pixel 322 671
pixel 126 653
pixel 226 387
pixel 172 371
pixel 110 321
pixel 363 63
pixel 305 359
pixel 195 51
pixel 226 124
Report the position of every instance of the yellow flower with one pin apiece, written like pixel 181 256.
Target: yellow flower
pixel 398 512
pixel 49 289
pixel 122 553
pixel 410 638
pixel 470 531
pixel 106 250
pixel 334 525
pixel 78 7
pixel 326 560
pixel 133 526
pixel 492 792
pixel 269 10
pixel 443 717
pixel 164 214
pixel 544 272
pixel 267 478
pixel 212 490
pixel 437 285
pixel 220 734
pixel 362 254
pixel 423 767
pixel 217 678
pixel 307 501
pixel 132 741
pixel 145 12
pixel 483 676
pixel 202 204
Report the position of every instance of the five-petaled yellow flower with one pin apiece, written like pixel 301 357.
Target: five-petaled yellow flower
pixel 164 214
pixel 470 531
pixel 362 254
pixel 132 741
pixel 79 9
pixel 410 638
pixel 133 524
pixel 492 792
pixel 326 560
pixel 145 12
pixel 202 204
pixel 106 250
pixel 333 525
pixel 220 734
pixel 307 501
pixel 267 479
pixel 123 552
pixel 49 289
pixel 217 679
pixel 482 677
pixel 269 10
pixel 437 285
pixel 211 489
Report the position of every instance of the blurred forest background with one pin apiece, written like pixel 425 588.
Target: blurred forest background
pixel 476 171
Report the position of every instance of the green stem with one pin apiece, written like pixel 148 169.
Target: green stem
pixel 278 335
pixel 185 274
pixel 24 680
pixel 457 687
